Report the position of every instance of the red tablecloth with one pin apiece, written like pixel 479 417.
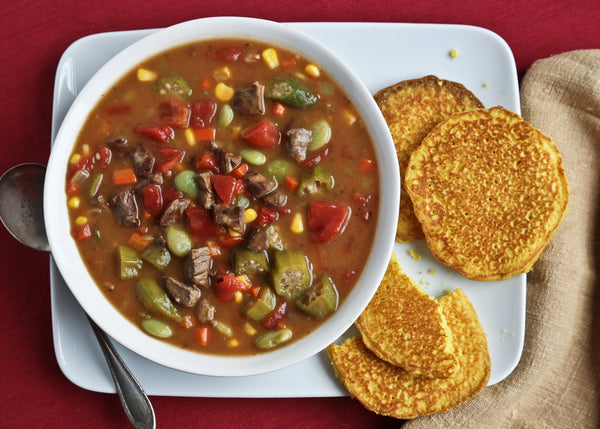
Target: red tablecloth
pixel 33 35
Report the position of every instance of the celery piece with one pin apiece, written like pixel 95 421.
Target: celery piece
pixel 158 256
pixel 263 305
pixel 155 299
pixel 290 273
pixel 130 262
pixel 94 185
pixel 320 300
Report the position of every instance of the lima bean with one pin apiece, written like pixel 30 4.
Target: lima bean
pixel 157 328
pixel 273 338
pixel 321 134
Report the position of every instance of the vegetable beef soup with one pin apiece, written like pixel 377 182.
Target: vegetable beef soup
pixel 223 195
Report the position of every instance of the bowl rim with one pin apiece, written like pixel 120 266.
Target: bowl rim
pixel 89 295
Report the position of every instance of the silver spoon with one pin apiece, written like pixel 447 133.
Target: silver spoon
pixel 21 212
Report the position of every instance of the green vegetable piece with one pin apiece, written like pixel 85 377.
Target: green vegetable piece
pixel 321 299
pixel 254 157
pixel 157 328
pixel 263 305
pixel 321 134
pixel 179 241
pixel 273 339
pixel 225 116
pixel 130 262
pixel 158 256
pixel 289 92
pixel 187 182
pixel 154 298
pixel 94 185
pixel 246 261
pixel 242 201
pixel 279 168
pixel 290 273
pixel 275 241
pixel 314 180
pixel 173 86
pixel 223 329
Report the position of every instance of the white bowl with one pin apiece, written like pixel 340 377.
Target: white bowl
pixel 90 297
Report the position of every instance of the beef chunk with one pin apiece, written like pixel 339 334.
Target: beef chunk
pixel 228 161
pixel 230 216
pixel 299 139
pixel 257 239
pixel 174 212
pixel 250 100
pixel 259 185
pixel 205 312
pixel 180 292
pixel 125 207
pixel 118 144
pixel 197 266
pixel 143 161
pixel 206 195
pixel 275 199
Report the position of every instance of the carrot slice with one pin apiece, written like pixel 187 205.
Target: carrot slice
pixel 125 176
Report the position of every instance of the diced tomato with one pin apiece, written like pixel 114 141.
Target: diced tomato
pixel 168 158
pixel 326 220
pixel 84 163
pixel 152 199
pixel 279 109
pixel 159 133
pixel 366 165
pixel 266 216
pixel 346 152
pixel 202 114
pixel 225 53
pixel 240 171
pixel 171 194
pixel 103 156
pixel 226 287
pixel 276 316
pixel 225 187
pixel 72 189
pixel 263 134
pixel 230 242
pixel 175 113
pixel 316 158
pixel 201 223
pixel 82 232
pixel 207 161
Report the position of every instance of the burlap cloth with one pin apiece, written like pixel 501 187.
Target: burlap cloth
pixel 557 381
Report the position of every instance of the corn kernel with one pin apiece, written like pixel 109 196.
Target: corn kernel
pixel 454 53
pixel 233 343
pixel 145 75
pixel 222 74
pixel 75 158
pixel 297 225
pixel 233 233
pixel 190 137
pixel 74 202
pixel 250 215
pixel 249 329
pixel 81 220
pixel 223 92
pixel 312 70
pixel 244 278
pixel 238 296
pixel 270 58
pixel 349 117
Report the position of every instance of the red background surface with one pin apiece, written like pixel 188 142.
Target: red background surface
pixel 34 34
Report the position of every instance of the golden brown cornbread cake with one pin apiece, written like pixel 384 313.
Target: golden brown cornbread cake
pixel 405 326
pixel 489 190
pixel 411 109
pixel 388 390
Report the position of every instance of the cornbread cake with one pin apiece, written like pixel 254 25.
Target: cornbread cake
pixel 389 390
pixel 489 191
pixel 411 109
pixel 404 326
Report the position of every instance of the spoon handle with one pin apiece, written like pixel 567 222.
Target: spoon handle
pixel 136 404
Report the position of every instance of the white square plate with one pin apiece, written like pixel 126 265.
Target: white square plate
pixel 381 54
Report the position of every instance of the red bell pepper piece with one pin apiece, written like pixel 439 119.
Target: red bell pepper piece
pixel 226 287
pixel 202 114
pixel 276 316
pixel 152 199
pixel 327 220
pixel 175 113
pixel 263 134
